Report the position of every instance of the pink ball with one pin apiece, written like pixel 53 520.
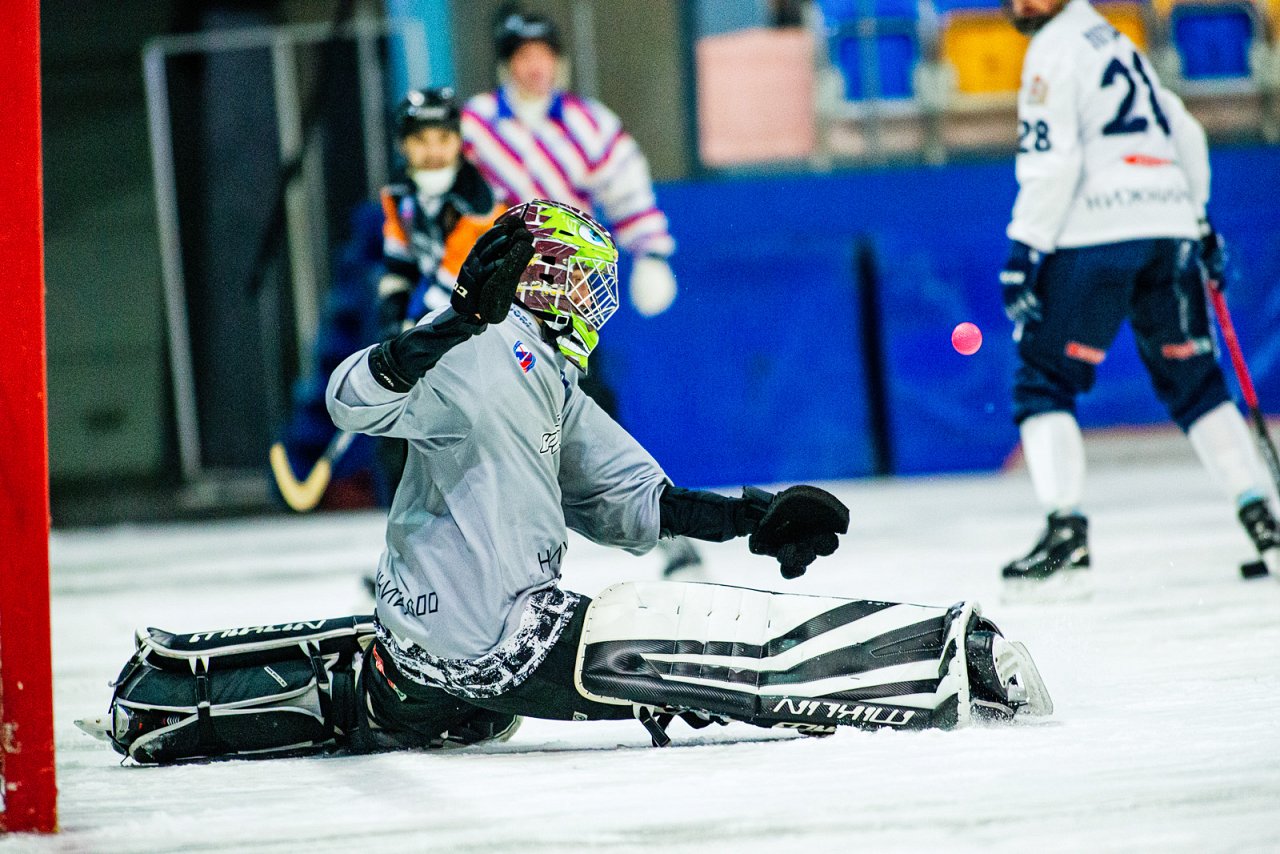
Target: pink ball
pixel 966 338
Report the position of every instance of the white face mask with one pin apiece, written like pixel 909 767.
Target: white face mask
pixel 435 182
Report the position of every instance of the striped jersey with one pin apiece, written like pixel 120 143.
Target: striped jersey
pixel 579 155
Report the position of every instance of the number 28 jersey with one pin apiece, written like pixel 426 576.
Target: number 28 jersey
pixel 1105 153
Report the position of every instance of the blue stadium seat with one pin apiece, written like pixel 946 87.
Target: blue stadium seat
pixel 944 6
pixel 896 57
pixel 888 27
pixel 1213 40
pixel 837 12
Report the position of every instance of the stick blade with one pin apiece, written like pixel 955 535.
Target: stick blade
pixel 1254 569
pixel 300 496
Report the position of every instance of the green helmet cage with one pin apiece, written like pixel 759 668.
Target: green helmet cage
pixel 572 281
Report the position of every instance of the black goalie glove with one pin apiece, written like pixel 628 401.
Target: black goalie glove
pixel 487 281
pixel 796 525
pixel 483 294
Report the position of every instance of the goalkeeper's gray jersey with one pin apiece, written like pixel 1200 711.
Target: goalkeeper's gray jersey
pixel 505 453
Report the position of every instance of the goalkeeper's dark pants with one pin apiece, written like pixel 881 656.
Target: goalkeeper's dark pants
pixel 420 714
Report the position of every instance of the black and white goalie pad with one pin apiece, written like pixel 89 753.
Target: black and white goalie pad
pixel 244 692
pixel 771 659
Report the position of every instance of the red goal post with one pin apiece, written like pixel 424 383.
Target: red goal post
pixel 26 685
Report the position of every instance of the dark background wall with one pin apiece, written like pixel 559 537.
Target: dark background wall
pixel 103 310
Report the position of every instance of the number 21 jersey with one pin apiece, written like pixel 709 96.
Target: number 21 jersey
pixel 1105 153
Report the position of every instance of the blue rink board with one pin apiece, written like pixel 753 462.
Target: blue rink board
pixel 756 375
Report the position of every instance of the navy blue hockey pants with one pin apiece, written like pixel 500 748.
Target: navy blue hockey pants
pixel 1086 293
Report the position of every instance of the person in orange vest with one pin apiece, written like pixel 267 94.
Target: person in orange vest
pixel 433 216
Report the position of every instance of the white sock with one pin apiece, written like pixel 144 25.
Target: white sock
pixel 1225 447
pixel 1054 450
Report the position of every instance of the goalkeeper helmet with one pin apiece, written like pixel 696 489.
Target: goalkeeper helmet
pixel 572 282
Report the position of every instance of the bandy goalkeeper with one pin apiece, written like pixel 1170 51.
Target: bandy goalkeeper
pixel 506 453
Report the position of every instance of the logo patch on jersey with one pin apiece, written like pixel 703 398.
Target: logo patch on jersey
pixel 1186 350
pixel 1038 92
pixel 1084 353
pixel 551 440
pixel 524 357
pixel 1146 160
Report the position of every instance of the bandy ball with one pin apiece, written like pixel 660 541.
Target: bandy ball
pixel 966 338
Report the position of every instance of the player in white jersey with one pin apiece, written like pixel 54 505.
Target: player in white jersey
pixel 1110 223
pixel 533 139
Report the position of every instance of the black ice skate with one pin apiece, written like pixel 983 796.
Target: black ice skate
pixel 1262 528
pixel 1057 566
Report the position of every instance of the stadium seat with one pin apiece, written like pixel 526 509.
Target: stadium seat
pixel 987 52
pixel 888 28
pixel 1213 40
pixel 896 57
pixel 1129 18
pixel 837 12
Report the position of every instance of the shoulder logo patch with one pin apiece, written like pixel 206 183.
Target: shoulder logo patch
pixel 524 357
pixel 1038 93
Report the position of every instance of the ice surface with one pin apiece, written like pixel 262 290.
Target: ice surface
pixel 1166 737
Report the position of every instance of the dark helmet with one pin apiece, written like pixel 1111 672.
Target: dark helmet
pixel 427 108
pixel 516 29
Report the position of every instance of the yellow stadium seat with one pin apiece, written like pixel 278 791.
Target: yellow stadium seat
pixel 1128 19
pixel 985 50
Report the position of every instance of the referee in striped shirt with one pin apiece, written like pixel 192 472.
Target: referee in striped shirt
pixel 532 139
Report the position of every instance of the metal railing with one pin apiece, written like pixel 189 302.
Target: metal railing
pixel 306 254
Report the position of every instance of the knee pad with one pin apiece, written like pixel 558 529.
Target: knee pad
pixel 1195 394
pixel 396 713
pixel 807 662
pixel 1037 391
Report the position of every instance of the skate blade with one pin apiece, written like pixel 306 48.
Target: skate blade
pixel 96 727
pixel 1068 585
pixel 1038 702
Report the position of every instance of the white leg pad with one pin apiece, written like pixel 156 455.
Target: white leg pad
pixel 776 659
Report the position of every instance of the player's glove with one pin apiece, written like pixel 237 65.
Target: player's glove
pixel 1213 256
pixel 652 285
pixel 795 526
pixel 1018 283
pixel 487 282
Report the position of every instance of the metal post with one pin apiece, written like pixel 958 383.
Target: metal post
pixel 297 216
pixel 417 64
pixel 586 66
pixel 372 98
pixel 181 364
pixel 869 41
pixel 305 232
